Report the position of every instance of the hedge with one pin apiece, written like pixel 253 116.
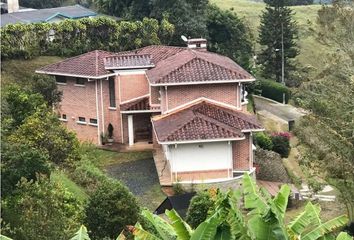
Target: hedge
pixel 274 90
pixel 73 37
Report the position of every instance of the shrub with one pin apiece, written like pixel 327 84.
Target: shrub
pixel 21 161
pixel 263 141
pixel 281 145
pixel 110 209
pixel 42 210
pixel 199 208
pixel 274 90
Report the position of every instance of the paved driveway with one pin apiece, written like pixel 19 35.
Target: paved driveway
pixel 139 176
pixel 284 111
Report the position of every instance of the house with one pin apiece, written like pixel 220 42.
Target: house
pixel 190 103
pixel 16 14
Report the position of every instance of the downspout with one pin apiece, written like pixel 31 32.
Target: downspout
pixel 97 115
pixel 121 115
pixel 166 98
pixel 102 107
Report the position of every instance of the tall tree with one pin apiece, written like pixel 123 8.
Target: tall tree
pixel 277 26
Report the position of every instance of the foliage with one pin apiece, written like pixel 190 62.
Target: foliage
pixel 73 37
pixel 41 210
pixel 47 87
pixel 17 105
pixel 38 4
pixel 328 131
pixel 44 132
pixel 229 35
pixel 110 208
pixel 21 161
pixel 199 207
pixel 273 90
pixel 281 145
pixel 263 140
pixel 315 185
pixel 178 188
pixel 227 220
pixel 276 21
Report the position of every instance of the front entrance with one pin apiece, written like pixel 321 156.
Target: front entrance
pixel 139 128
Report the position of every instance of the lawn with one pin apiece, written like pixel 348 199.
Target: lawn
pixel 61 177
pixel 20 71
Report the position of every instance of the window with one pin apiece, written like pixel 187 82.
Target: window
pixel 112 93
pixel 60 79
pixel 82 119
pixel 63 116
pixel 80 81
pixel 93 121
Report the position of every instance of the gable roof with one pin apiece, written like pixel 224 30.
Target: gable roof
pixel 46 14
pixel 193 66
pixel 166 66
pixel 202 121
pixel 87 65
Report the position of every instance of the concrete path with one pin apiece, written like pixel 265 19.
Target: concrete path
pixel 284 111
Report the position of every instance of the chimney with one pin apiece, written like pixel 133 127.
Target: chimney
pixel 197 43
pixel 12 6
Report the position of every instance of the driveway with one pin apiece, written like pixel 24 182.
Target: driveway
pixel 284 111
pixel 139 176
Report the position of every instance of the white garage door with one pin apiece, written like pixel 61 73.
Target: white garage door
pixel 202 156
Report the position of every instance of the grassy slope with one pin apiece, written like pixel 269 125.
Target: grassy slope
pixel 310 50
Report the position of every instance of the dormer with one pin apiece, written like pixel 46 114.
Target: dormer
pixel 197 43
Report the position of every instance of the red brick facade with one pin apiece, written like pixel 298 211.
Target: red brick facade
pixel 241 154
pixel 133 86
pixel 179 95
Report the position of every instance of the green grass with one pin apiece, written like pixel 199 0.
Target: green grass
pixel 310 50
pixel 20 71
pixel 60 177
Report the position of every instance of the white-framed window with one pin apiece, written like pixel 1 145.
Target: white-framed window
pixel 63 117
pixel 80 81
pixel 93 122
pixel 60 80
pixel 82 120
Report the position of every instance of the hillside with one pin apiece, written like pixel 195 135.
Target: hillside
pixel 310 50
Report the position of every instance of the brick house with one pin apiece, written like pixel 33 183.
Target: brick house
pixel 188 102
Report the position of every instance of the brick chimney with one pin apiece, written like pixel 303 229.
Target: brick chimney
pixel 197 43
pixel 12 6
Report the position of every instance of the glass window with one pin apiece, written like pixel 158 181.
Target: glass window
pixel 93 120
pixel 82 119
pixel 64 116
pixel 60 79
pixel 112 93
pixel 80 81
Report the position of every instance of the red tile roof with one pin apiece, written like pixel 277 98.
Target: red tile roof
pixel 203 120
pixel 128 61
pixel 173 65
pixel 85 65
pixel 193 66
pixel 137 105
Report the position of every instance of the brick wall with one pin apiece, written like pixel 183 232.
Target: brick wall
pixel 80 101
pixel 133 86
pixel 201 175
pixel 178 95
pixel 155 95
pixel 241 154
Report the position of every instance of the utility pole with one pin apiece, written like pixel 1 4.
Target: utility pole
pixel 282 56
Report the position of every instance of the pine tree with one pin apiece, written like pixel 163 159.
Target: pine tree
pixel 275 20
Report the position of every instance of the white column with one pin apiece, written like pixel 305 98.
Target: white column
pixel 130 130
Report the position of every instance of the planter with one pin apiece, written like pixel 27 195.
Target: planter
pixel 110 141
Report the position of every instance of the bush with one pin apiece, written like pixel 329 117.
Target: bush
pixel 274 90
pixel 41 210
pixel 21 161
pixel 281 145
pixel 263 141
pixel 110 209
pixel 199 208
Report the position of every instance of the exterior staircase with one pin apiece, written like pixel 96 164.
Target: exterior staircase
pixel 162 167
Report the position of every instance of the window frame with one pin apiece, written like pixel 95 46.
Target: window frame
pixel 112 93
pixel 79 121
pixel 64 82
pixel 77 80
